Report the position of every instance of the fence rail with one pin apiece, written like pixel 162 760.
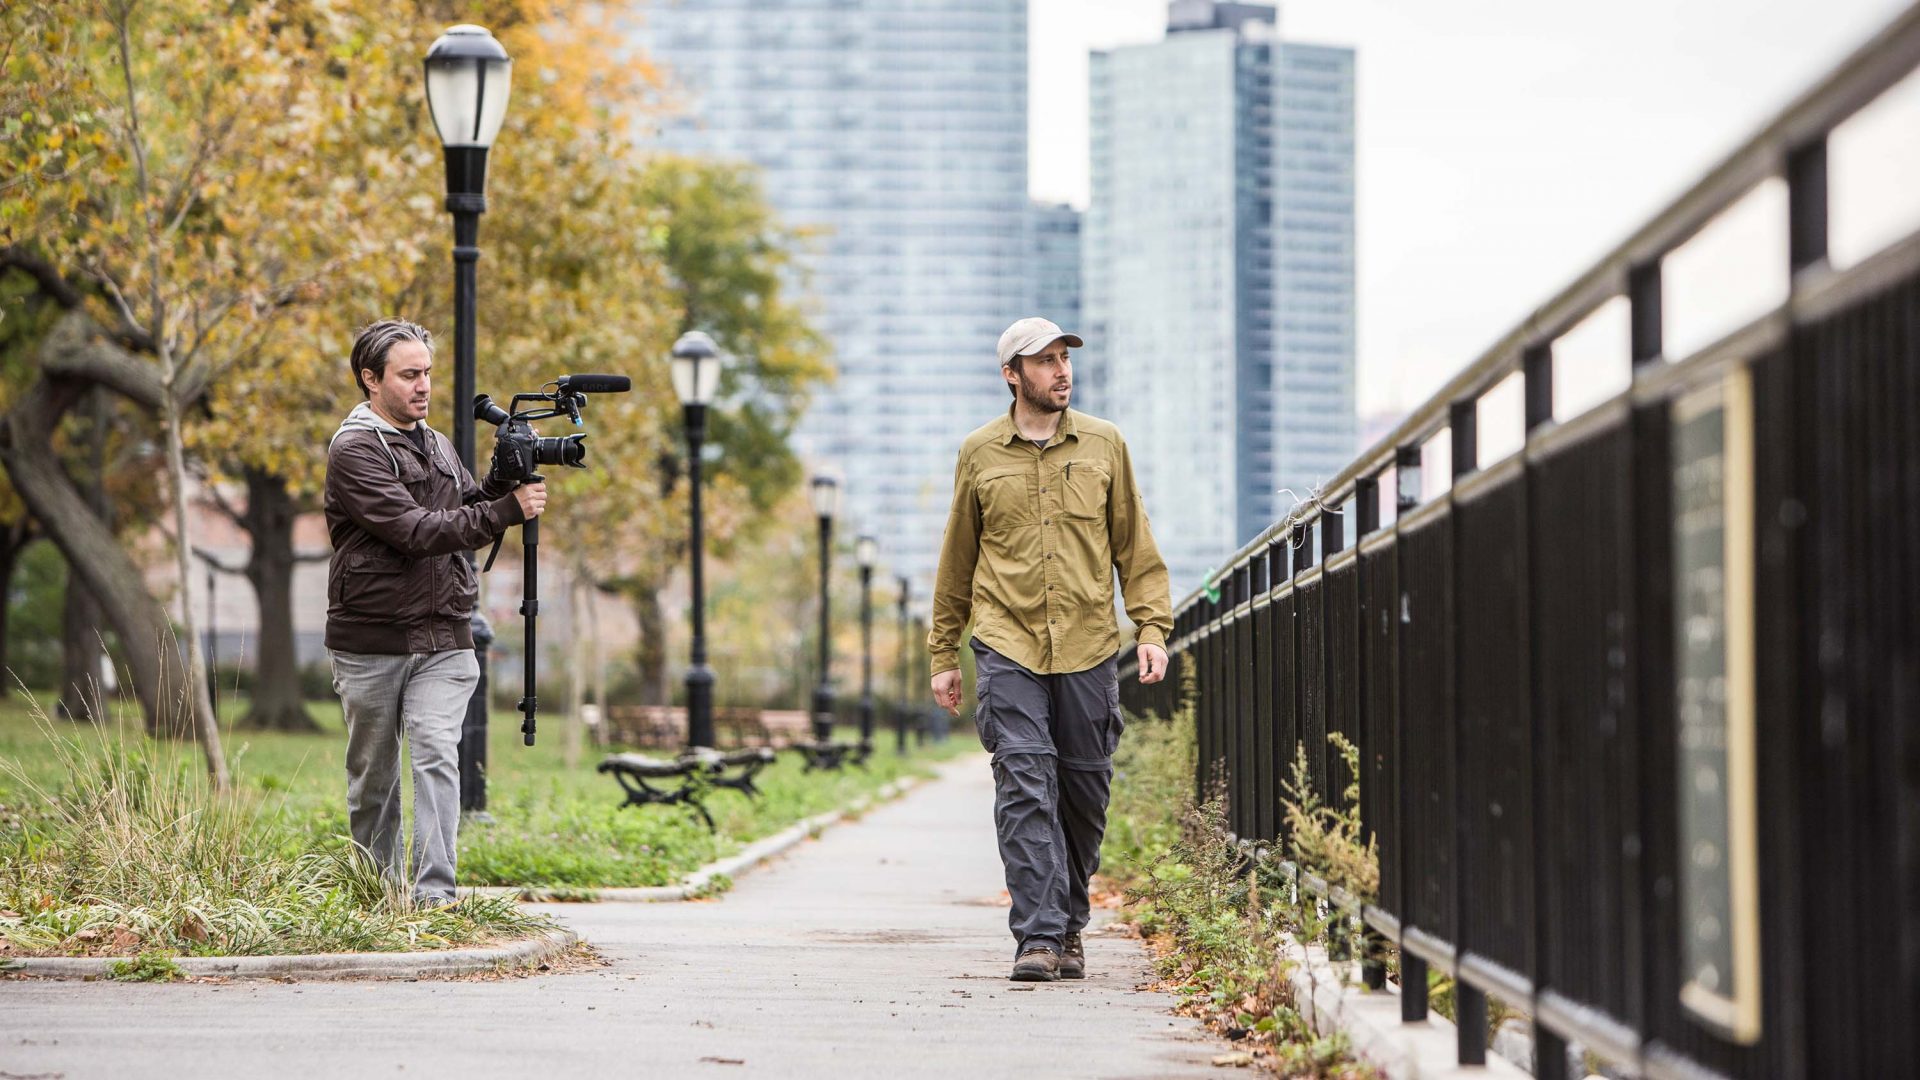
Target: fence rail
pixel 1639 705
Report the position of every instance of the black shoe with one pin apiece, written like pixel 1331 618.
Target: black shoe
pixel 1037 964
pixel 1073 959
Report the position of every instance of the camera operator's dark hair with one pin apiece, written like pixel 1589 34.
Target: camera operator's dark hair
pixel 375 340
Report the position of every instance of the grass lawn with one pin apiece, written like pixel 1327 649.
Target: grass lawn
pixel 553 826
pixel 109 842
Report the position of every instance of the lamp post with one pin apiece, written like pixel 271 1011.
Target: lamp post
pixel 468 76
pixel 696 376
pixel 906 671
pixel 866 552
pixel 926 716
pixel 826 499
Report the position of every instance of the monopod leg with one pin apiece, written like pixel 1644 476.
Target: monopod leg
pixel 530 610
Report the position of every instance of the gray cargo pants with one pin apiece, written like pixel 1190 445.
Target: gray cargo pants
pixel 1052 738
pixel 423 696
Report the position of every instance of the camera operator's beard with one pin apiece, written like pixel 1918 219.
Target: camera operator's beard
pixel 401 410
pixel 1040 399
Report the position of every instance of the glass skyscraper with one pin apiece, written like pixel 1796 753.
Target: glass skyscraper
pixel 897 131
pixel 1218 261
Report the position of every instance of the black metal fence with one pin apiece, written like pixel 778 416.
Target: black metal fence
pixel 1639 705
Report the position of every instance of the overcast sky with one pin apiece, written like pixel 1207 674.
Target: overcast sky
pixel 1504 145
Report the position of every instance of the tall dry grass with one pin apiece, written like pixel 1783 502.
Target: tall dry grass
pixel 134 852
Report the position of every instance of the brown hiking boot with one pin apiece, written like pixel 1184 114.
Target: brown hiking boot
pixel 1073 959
pixel 1037 964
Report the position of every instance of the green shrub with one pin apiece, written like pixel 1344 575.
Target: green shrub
pixel 1217 921
pixel 146 967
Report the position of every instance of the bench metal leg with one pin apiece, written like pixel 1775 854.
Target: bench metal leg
pixel 641 793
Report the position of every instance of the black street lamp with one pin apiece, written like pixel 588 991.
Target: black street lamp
pixel 696 377
pixel 468 76
pixel 826 499
pixel 906 671
pixel 866 552
pixel 936 715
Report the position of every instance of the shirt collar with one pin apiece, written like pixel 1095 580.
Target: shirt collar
pixel 1009 432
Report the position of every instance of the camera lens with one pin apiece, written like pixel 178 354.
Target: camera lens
pixel 566 450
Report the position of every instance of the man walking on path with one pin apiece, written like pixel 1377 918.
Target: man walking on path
pixel 402 512
pixel 1044 511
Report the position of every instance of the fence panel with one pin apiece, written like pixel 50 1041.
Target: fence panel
pixel 1310 617
pixel 1587 816
pixel 1342 604
pixel 1268 818
pixel 1495 742
pixel 1285 691
pixel 1426 722
pixel 1381 793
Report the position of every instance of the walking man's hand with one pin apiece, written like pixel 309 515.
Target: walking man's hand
pixel 1153 663
pixel 946 691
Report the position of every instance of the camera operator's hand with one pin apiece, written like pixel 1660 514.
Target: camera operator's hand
pixel 532 499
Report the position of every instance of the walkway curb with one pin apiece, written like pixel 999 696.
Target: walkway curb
pixel 701 882
pixel 320 966
pixel 1371 1020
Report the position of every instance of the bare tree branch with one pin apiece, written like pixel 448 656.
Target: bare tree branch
pixel 75 349
pixel 225 507
pixel 218 563
pixel 50 280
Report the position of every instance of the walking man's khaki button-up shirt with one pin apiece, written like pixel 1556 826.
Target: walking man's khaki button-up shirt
pixel 1032 543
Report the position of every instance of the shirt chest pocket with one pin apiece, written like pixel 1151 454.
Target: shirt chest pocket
pixel 1006 498
pixel 412 472
pixel 1084 487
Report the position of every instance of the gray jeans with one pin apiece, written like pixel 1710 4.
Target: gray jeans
pixel 1052 738
pixel 423 696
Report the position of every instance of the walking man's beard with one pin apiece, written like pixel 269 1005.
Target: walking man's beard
pixel 1039 399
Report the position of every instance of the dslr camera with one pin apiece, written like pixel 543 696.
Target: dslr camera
pixel 518 454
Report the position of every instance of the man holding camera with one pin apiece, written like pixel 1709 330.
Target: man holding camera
pixel 1045 510
pixel 402 512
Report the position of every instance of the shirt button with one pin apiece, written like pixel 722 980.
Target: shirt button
pixel 1046 521
pixel 1043 491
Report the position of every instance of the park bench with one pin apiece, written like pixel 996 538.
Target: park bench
pixel 831 755
pixel 647 725
pixel 696 771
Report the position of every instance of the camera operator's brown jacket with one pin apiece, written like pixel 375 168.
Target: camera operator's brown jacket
pixel 399 520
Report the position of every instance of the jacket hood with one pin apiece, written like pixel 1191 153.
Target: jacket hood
pixel 363 418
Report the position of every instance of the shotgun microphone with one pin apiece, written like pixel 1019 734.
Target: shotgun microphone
pixel 594 384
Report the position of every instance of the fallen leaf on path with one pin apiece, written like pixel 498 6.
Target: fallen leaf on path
pixel 723 1061
pixel 1239 1059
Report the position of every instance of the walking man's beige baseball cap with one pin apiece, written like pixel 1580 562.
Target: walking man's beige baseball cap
pixel 1030 335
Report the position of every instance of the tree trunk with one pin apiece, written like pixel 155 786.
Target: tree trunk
pixel 95 557
pixel 82 650
pixel 650 655
pixel 206 725
pixel 18 536
pixel 599 665
pixel 277 704
pixel 576 667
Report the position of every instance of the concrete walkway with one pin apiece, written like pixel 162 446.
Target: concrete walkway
pixel 879 950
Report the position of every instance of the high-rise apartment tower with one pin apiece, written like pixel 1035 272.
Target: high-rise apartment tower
pixel 1218 262
pixel 897 130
